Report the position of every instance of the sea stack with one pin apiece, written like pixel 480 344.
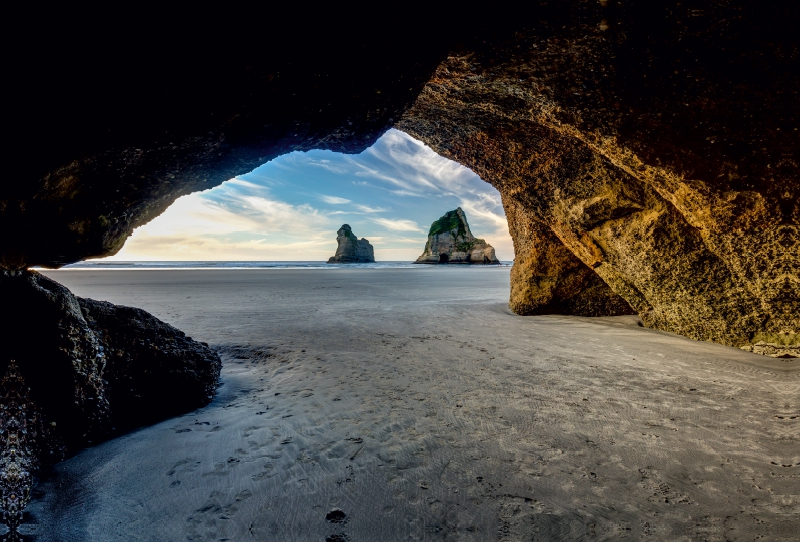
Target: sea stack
pixel 450 241
pixel 351 249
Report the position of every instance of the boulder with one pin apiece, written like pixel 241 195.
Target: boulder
pixel 351 249
pixel 451 241
pixel 153 370
pixel 23 437
pixel 78 371
pixel 92 369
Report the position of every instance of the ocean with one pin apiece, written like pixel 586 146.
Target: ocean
pixel 112 265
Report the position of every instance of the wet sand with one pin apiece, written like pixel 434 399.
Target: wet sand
pixel 410 404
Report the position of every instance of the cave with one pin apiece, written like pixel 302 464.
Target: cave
pixel 647 157
pixel 605 177
pixel 444 258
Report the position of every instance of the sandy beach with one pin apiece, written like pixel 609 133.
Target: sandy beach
pixel 411 404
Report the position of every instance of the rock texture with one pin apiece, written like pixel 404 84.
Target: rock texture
pixel 351 249
pixel 78 371
pixel 657 142
pixel 23 438
pixel 547 278
pixel 152 370
pixel 451 241
pixel 648 156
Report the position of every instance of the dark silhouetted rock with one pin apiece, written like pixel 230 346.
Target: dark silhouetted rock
pixel 451 241
pixel 23 437
pixel 78 371
pixel 94 368
pixel 351 249
pixel 153 370
pixel 136 123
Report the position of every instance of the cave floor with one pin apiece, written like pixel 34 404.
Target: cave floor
pixel 410 404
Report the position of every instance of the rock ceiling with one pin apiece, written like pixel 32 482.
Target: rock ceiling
pixel 646 155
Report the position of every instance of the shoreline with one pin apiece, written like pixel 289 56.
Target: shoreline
pixel 422 407
pixel 221 265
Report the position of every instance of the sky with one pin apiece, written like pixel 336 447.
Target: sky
pixel 290 208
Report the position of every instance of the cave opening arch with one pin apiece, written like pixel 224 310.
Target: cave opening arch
pixel 658 165
pixel 575 115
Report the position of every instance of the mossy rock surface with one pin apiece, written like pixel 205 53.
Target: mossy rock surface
pixel 450 221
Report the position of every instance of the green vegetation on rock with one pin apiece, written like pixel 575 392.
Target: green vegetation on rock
pixel 464 247
pixel 450 221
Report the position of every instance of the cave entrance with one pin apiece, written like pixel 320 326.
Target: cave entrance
pixel 290 208
pixel 444 258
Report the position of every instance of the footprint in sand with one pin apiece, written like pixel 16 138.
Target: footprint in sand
pixel 336 515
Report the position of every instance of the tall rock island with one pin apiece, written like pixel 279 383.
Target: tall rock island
pixel 450 241
pixel 351 249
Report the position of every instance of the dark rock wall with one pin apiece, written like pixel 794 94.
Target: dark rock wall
pixel 59 356
pixel 547 278
pixel 25 438
pixel 659 147
pixel 93 369
pixel 111 120
pixel 657 141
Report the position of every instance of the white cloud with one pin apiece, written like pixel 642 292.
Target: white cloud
pixel 400 224
pixel 144 246
pixel 243 182
pixel 297 161
pixel 274 215
pixel 421 167
pixel 408 193
pixel 367 209
pixel 198 228
pixel 372 173
pixel 424 173
pixel 485 208
pixel 393 186
pixel 333 200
